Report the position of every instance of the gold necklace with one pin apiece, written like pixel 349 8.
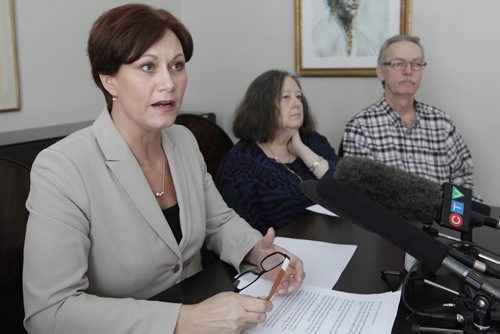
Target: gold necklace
pixel 160 194
pixel 283 164
pixel 290 170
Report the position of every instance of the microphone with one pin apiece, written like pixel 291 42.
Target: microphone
pixel 411 196
pixel 359 209
pixel 416 199
pixel 478 218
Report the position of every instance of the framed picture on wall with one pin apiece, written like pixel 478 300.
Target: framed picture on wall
pixel 343 37
pixel 9 82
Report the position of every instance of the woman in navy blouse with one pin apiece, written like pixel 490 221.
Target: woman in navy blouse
pixel 278 148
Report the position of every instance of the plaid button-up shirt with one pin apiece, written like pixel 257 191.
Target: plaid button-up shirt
pixel 432 148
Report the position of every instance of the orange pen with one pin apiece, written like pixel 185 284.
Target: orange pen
pixel 278 279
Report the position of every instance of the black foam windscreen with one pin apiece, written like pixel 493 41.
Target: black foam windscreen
pixel 412 197
pixel 355 207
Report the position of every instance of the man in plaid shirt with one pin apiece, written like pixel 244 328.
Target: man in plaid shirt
pixel 403 132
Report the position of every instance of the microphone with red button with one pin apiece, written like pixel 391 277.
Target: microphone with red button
pixel 357 208
pixel 419 200
pixel 412 197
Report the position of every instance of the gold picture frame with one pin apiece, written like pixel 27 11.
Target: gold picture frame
pixel 9 81
pixel 319 54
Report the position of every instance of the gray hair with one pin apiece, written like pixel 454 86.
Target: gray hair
pixel 395 39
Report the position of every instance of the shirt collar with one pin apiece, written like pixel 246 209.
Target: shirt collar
pixel 394 116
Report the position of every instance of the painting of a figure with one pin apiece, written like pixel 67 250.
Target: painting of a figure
pixel 9 85
pixel 340 34
pixel 343 37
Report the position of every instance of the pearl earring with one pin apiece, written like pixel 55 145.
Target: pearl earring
pixel 114 98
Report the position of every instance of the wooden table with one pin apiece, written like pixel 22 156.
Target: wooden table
pixel 362 274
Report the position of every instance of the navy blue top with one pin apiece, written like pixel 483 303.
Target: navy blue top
pixel 263 191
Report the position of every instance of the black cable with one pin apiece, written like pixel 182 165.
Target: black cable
pixel 448 310
pixel 413 311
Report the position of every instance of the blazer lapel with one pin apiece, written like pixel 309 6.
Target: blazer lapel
pixel 181 184
pixel 123 164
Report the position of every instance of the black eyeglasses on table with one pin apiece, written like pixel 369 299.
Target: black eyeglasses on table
pixel 269 263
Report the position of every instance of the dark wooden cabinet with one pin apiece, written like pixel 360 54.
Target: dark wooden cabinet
pixel 18 150
pixel 22 146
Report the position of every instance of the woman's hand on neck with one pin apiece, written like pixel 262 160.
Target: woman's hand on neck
pixel 296 146
pixel 282 138
pixel 284 146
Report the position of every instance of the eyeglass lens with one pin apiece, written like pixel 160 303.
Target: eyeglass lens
pixel 400 65
pixel 246 279
pixel 272 261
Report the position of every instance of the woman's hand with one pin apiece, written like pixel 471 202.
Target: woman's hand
pixel 294 275
pixel 308 156
pixel 296 146
pixel 226 312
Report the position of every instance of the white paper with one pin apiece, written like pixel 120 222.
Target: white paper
pixel 323 262
pixel 317 310
pixel 319 209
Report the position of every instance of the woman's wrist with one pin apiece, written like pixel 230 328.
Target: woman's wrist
pixel 316 164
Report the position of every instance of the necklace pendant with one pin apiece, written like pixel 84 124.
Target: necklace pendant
pixel 161 193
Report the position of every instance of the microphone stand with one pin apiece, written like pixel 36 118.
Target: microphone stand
pixel 467 236
pixel 468 247
pixel 476 313
pixel 401 274
pixel 473 311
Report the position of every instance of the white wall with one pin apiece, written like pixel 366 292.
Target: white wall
pixel 56 85
pixel 236 40
pixel 462 49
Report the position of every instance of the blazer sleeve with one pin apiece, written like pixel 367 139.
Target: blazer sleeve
pixel 227 233
pixel 56 261
pixel 238 186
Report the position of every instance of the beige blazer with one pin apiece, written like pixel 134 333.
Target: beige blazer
pixel 97 243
